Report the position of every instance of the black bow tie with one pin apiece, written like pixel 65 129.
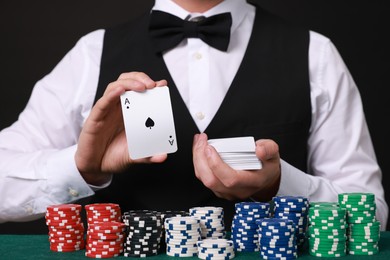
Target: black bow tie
pixel 168 30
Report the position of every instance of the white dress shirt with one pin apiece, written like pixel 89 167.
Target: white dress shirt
pixel 37 166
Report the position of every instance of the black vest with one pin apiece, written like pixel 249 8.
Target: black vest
pixel 268 98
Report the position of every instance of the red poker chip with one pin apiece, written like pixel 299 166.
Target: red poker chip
pixel 67 248
pixel 104 247
pixel 108 226
pixel 116 249
pixel 67 228
pixel 99 243
pixel 105 251
pixel 103 210
pixel 80 243
pixel 102 206
pixel 112 216
pixel 106 232
pixel 97 240
pixel 60 249
pixel 66 242
pixel 92 221
pixel 94 255
pixel 72 214
pixel 105 236
pixel 67 232
pixel 63 208
pixel 63 222
pixel 66 237
pixel 104 217
pixel 63 215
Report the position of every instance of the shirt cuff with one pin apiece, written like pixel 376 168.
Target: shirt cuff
pixel 293 181
pixel 64 180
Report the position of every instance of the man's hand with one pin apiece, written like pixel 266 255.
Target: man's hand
pixel 102 147
pixel 232 184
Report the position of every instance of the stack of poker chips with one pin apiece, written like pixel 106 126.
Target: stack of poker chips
pixel 294 208
pixel 182 235
pixel 103 212
pixel 66 230
pixel 212 222
pixel 105 232
pixel 327 230
pixel 244 232
pixel 363 228
pixel 168 214
pixel 216 248
pixel 144 232
pixel 277 238
pixel 105 239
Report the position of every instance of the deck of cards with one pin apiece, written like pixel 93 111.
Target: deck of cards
pixel 149 124
pixel 237 152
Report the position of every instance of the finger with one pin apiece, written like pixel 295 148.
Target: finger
pixel 138 76
pixel 161 83
pixel 267 149
pixel 143 78
pixel 153 159
pixel 202 170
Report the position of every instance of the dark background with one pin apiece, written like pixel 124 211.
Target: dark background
pixel 35 35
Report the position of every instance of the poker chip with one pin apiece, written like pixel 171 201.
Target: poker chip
pixel 66 230
pixel 212 222
pixel 144 233
pixel 327 230
pixel 181 236
pixel 294 208
pixel 244 230
pixel 363 233
pixel 277 238
pixel 106 231
pixel 215 248
pixel 103 212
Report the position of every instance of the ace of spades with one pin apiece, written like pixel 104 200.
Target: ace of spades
pixel 149 123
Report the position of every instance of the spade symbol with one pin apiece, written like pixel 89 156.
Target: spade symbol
pixel 149 123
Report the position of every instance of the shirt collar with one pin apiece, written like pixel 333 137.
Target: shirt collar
pixel 237 8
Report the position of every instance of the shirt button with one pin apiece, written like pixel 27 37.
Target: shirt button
pixel 197 56
pixel 199 115
pixel 29 209
pixel 73 193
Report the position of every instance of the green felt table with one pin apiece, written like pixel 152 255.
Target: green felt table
pixel 36 247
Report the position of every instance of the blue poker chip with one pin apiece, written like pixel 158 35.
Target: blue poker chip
pixel 251 205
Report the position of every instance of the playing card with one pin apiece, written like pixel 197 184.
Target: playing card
pixel 238 152
pixel 149 124
pixel 234 144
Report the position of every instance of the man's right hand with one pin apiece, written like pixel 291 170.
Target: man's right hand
pixel 102 147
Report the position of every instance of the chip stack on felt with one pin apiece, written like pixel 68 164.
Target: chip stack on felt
pixel 212 222
pixel 277 238
pixel 182 235
pixel 105 239
pixel 294 208
pixel 244 233
pixel 168 214
pixel 66 229
pixel 363 227
pixel 105 233
pixel 327 230
pixel 103 212
pixel 216 248
pixel 144 229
